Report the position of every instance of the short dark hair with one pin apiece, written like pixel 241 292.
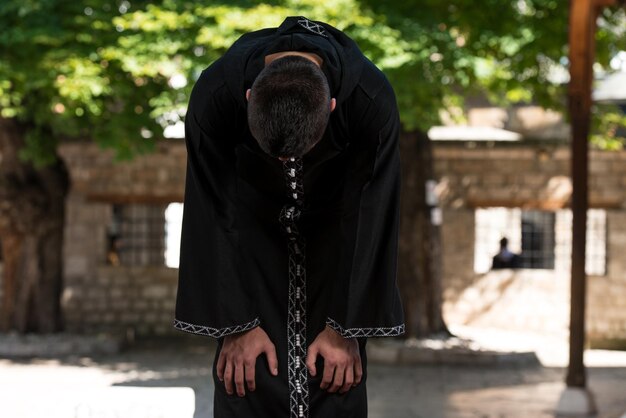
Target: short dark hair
pixel 289 106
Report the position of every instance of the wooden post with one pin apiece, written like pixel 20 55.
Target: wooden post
pixel 576 399
pixel 581 41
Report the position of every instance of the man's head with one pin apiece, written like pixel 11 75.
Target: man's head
pixel 289 106
pixel 504 242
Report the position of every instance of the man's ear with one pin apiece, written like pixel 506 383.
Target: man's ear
pixel 248 94
pixel 333 104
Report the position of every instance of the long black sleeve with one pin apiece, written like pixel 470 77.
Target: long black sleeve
pixel 366 301
pixel 213 299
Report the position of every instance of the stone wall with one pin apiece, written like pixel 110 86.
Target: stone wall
pixel 457 251
pixel 139 300
pixel 523 175
pixel 607 294
pixel 158 177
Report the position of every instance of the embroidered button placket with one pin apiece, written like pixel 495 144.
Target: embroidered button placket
pixel 296 322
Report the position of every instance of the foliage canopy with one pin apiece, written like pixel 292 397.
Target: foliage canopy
pixel 119 72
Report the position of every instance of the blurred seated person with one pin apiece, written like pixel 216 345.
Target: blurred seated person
pixel 505 259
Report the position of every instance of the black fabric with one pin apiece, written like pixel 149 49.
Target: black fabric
pixel 234 271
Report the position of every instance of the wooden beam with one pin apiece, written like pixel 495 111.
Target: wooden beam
pixel 582 28
pixel 124 199
pixel 605 3
pixel 540 204
pixel 576 399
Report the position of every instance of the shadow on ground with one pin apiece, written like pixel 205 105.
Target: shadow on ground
pixel 393 391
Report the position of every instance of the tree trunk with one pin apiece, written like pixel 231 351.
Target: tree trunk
pixel 32 215
pixel 419 264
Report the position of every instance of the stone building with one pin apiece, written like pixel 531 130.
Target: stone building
pixel 520 188
pixel 121 247
pixel 123 220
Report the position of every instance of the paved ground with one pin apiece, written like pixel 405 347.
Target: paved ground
pixel 37 388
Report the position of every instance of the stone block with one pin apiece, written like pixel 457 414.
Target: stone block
pixel 166 317
pixel 109 318
pixel 493 180
pixel 169 304
pixel 140 305
pixel 95 293
pixel 535 180
pixel 561 154
pixel 120 305
pixel 129 317
pixel 143 329
pixel 71 297
pixel 617 166
pixel 599 166
pixel 163 330
pixel 117 292
pixel 157 291
pixel 468 180
pixel 150 317
pixel 101 304
pixel 76 265
pixel 520 154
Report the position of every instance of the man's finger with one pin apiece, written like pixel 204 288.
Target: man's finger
pixel 272 360
pixel 239 372
pixel 327 377
pixel 311 357
pixel 249 374
pixel 348 379
pixel 221 362
pixel 338 381
pixel 228 377
pixel 358 371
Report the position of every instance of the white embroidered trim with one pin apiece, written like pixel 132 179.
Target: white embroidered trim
pixel 296 310
pixel 365 332
pixel 313 27
pixel 215 332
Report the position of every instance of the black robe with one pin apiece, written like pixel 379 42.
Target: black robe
pixel 291 246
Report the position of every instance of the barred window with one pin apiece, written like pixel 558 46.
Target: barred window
pixel 136 235
pixel 538 235
pixel 144 235
pixel 542 239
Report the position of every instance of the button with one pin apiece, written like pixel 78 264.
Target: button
pixel 293 185
pixel 295 196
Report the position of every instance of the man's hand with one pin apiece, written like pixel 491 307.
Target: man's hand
pixel 238 359
pixel 341 360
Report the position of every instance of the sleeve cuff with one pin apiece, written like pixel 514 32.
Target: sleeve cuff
pixel 365 332
pixel 215 332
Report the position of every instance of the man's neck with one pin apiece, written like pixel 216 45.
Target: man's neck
pixel 308 55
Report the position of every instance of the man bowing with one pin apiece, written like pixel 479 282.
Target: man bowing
pixel 290 224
